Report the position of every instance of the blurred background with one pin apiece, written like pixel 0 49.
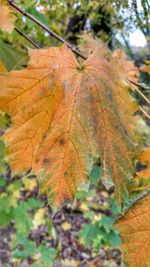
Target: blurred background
pixel 81 234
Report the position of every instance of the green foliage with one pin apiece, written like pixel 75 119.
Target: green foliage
pixel 14 56
pixel 95 236
pixel 44 256
pixel 22 213
pixel 99 232
pixel 20 210
pixel 117 16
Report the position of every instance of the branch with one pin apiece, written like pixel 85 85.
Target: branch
pixel 27 38
pixel 144 112
pixel 139 21
pixel 44 27
pixel 141 85
pixel 135 85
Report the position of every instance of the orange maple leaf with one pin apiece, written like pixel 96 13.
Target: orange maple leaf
pixel 65 114
pixel 134 229
pixel 7 17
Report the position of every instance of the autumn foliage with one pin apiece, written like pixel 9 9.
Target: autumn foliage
pixel 66 114
pixel 135 233
pixel 7 17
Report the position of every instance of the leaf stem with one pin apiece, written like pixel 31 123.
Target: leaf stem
pixel 27 38
pixel 44 27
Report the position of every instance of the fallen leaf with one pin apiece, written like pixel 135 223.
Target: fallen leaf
pixel 84 206
pixel 69 263
pixel 39 217
pixel 66 226
pixel 29 184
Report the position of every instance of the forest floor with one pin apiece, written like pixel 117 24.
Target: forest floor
pixel 79 234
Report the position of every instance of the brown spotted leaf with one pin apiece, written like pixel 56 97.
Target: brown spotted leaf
pixel 134 228
pixel 7 17
pixel 65 115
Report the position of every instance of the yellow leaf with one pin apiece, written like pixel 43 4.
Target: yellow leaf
pixel 134 228
pixel 66 226
pixel 37 256
pixel 15 194
pixel 84 206
pixel 97 217
pixel 39 217
pixel 29 184
pixel 7 17
pixel 70 263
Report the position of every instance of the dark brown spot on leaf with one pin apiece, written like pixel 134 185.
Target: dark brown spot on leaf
pixel 46 160
pixel 61 142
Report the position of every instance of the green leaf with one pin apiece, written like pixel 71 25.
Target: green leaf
pixel 5 205
pixel 23 220
pixel 2 150
pixel 33 11
pixel 5 218
pixel 10 56
pixel 89 214
pixel 29 249
pixel 113 238
pixel 84 194
pixel 95 174
pixel 21 239
pixel 89 232
pixel 47 254
pixel 3 170
pixel 107 222
pixel 4 121
pixel 2 181
pixel 34 204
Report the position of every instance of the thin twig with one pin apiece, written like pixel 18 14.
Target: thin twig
pixel 141 85
pixel 144 112
pixel 135 85
pixel 27 38
pixel 44 27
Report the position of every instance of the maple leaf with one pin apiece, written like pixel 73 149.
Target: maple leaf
pixel 66 114
pixel 114 111
pixel 134 229
pixel 7 17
